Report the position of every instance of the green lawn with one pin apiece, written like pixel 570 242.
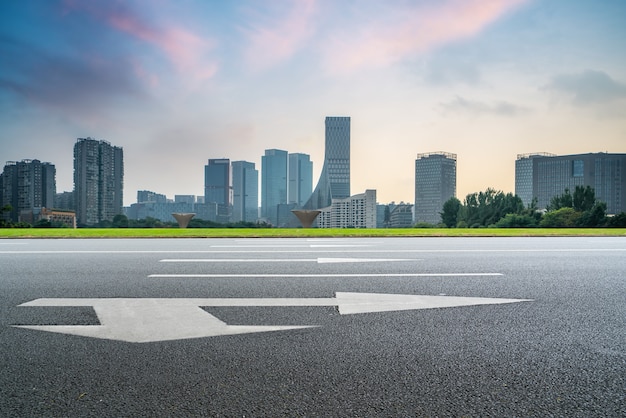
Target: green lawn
pixel 313 232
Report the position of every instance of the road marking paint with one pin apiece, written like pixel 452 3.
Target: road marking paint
pixel 150 320
pixel 295 276
pixel 283 260
pixel 414 251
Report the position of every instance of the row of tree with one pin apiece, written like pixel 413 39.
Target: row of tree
pixel 493 208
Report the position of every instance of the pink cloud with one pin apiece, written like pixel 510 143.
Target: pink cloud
pixel 417 30
pixel 186 51
pixel 275 40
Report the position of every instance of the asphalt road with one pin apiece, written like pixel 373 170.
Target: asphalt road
pixel 556 348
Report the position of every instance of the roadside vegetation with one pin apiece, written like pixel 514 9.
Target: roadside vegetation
pixel 494 209
pixel 489 213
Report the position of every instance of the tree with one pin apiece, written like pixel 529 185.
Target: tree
pixel 488 207
pixel 120 221
pixel 560 218
pixel 617 221
pixel 596 216
pixel 450 213
pixel 513 220
pixel 563 201
pixel 584 198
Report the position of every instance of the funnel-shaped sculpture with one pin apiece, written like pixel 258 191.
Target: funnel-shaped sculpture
pixel 183 219
pixel 306 217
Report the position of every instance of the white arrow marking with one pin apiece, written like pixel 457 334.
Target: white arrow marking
pixel 283 260
pixel 328 276
pixel 148 320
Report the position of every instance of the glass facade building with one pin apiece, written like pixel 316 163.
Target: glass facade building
pixel 245 192
pixel 435 183
pixel 98 181
pixel 300 179
pixel 217 181
pixel 273 183
pixel 334 182
pixel 544 176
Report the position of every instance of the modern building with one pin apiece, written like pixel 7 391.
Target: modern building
pixel 358 211
pixel 435 183
pixel 544 176
pixel 300 179
pixel 334 181
pixel 273 183
pixel 26 185
pixel 64 201
pixel 245 192
pixel 144 196
pixel 98 181
pixel 401 216
pixel 217 187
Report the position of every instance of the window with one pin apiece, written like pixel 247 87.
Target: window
pixel 578 168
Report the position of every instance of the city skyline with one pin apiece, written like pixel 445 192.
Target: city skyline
pixel 182 83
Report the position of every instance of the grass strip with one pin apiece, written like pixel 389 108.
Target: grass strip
pixel 304 233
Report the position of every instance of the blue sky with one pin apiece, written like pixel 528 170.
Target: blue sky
pixel 176 82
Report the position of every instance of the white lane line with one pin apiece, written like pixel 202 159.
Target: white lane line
pixel 284 260
pixel 296 276
pixel 552 250
pixel 292 246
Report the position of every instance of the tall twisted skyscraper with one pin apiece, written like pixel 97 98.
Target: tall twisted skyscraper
pixel 334 182
pixel 98 181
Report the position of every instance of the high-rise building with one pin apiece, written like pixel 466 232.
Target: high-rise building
pixel 273 183
pixel 435 183
pixel 217 181
pixel 217 188
pixel 98 181
pixel 26 185
pixel 524 175
pixel 544 176
pixel 300 178
pixel 334 182
pixel 245 192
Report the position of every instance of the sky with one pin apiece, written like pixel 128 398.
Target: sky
pixel 176 82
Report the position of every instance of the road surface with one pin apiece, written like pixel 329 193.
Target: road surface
pixel 313 327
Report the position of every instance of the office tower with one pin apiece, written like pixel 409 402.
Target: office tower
pixel 98 181
pixel 217 181
pixel 524 175
pixel 300 179
pixel 435 183
pixel 273 183
pixel 544 176
pixel 334 181
pixel 26 185
pixel 217 188
pixel 245 192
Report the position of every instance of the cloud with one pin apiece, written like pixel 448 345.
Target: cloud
pixel 476 108
pixel 587 87
pixel 186 51
pixel 416 29
pixel 274 37
pixel 65 81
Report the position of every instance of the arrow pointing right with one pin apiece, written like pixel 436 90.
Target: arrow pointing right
pixel 354 303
